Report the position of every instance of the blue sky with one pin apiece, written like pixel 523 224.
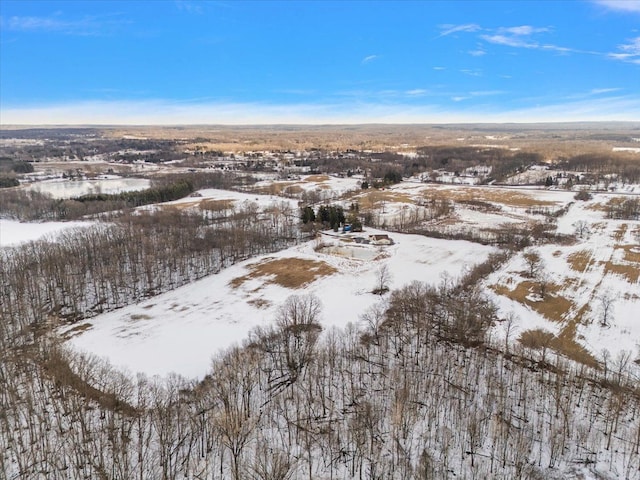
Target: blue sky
pixel 196 62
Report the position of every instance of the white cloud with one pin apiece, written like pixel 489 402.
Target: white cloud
pixel 296 91
pixel 56 24
pixel 508 41
pixel 368 59
pixel 189 7
pixel 479 52
pixel 449 29
pixel 628 52
pixel 620 5
pixel 439 68
pixel 632 48
pixel 416 92
pixel 471 73
pixel 600 91
pixel 523 30
pixel 162 112
pixel 486 93
pixel 521 41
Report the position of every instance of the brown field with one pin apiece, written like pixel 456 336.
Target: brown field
pixel 316 178
pixel 293 190
pixel 276 188
pixel 564 344
pixel 580 261
pixel 496 196
pixel 631 253
pixel 183 205
pixel 554 307
pixel 630 272
pixel 620 232
pixel 287 272
pixel 217 205
pixel 550 140
pixel 376 198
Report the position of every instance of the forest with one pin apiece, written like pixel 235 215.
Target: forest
pixel 417 389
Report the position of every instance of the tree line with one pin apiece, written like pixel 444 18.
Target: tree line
pixel 32 205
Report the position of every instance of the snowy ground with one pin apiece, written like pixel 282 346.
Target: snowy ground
pixel 604 262
pixel 64 188
pixel 13 233
pixel 179 331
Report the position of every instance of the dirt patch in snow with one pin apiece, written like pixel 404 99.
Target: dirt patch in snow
pixel 630 272
pixel 580 261
pixel 631 253
pixel 77 330
pixel 620 232
pixel 259 303
pixel 552 306
pixel 287 272
pixel 564 343
pixel 316 178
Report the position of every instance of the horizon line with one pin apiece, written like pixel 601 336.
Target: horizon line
pixel 303 124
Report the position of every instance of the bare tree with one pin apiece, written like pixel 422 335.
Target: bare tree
pixel 383 277
pixel 581 228
pixel 509 328
pixel 290 344
pixel 534 263
pixel 271 464
pixel 606 307
pixel 234 383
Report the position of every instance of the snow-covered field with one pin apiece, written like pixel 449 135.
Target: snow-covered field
pixel 13 233
pixel 64 188
pixel 600 271
pixel 180 330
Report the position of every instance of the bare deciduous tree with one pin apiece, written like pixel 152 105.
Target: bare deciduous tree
pixel 606 307
pixel 534 263
pixel 581 228
pixel 383 277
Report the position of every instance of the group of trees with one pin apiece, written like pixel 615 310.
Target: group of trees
pixel 623 209
pixel 600 165
pixel 417 391
pixel 94 269
pixel 328 216
pixel 81 143
pixel 33 205
pixel 8 164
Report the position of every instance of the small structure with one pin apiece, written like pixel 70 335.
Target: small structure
pixel 380 239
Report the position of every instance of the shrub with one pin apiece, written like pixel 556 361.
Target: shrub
pixel 583 195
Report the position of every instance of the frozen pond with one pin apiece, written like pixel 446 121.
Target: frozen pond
pixel 76 188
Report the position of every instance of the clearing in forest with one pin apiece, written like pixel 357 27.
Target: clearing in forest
pixel 287 272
